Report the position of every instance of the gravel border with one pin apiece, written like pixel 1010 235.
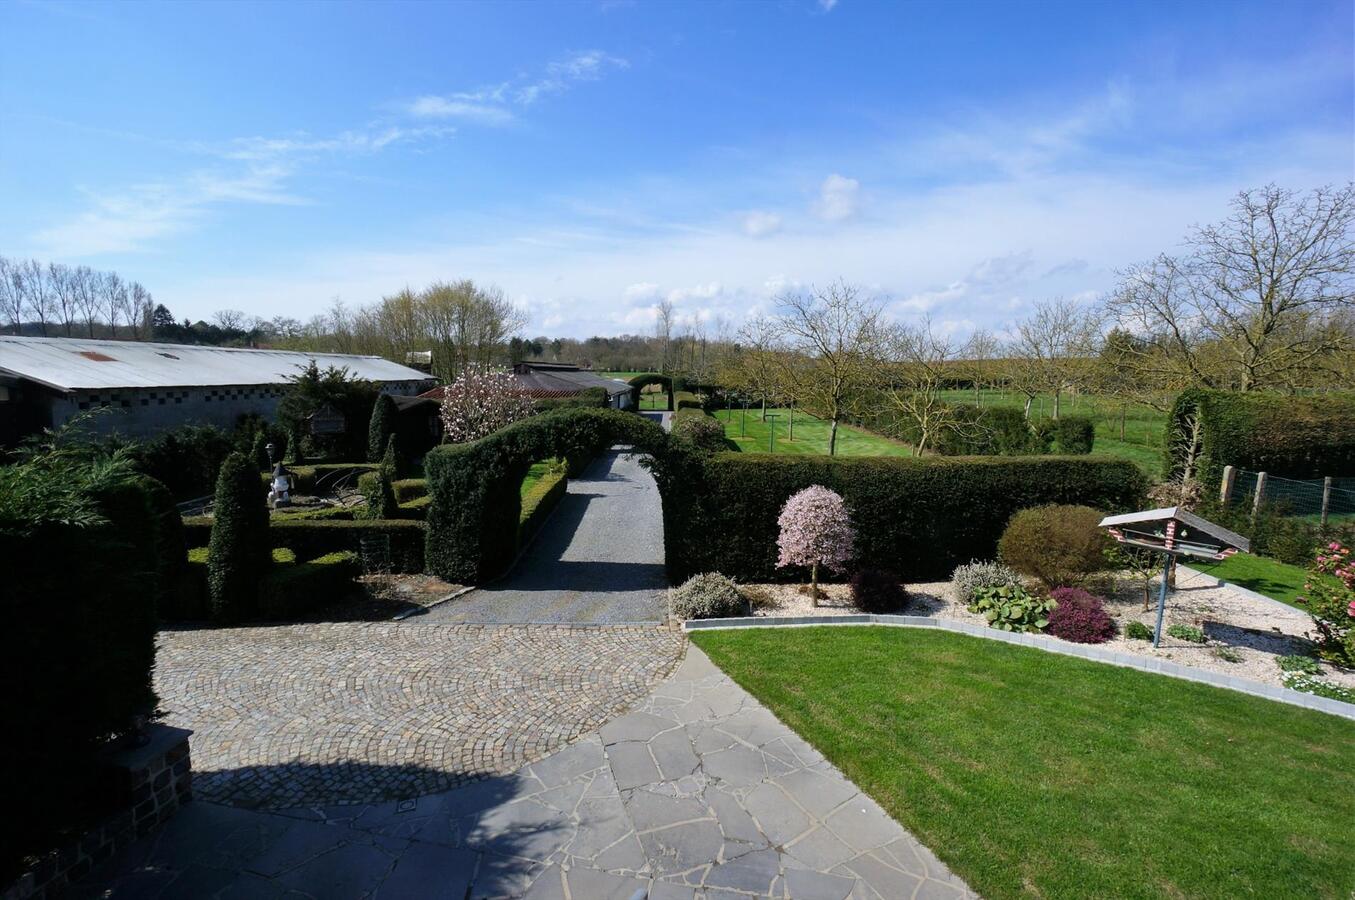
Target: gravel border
pixel 1043 642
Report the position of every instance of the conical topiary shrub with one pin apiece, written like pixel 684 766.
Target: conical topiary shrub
pixel 238 554
pixel 380 427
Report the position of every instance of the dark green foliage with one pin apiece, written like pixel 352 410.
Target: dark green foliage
pixel 1295 663
pixel 686 400
pixel 407 489
pixel 292 591
pixel 375 487
pixel 1294 437
pixel 1059 544
pixel 312 538
pixel 1272 531
pixel 921 517
pixel 984 431
pixel 1138 631
pixel 239 550
pixel 1187 633
pixel 186 460
pixel 314 389
pixel 704 433
pixel 259 452
pixel 78 643
pixel 474 516
pixel 391 461
pixel 1074 434
pixel 381 426
pixel 543 497
pixel 878 591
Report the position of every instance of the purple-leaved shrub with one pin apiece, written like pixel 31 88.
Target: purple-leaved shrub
pixel 1080 617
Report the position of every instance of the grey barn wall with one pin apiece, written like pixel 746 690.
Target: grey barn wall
pixel 145 412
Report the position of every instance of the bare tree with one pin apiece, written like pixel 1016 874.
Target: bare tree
pixel 111 298
pixel 979 361
pixel 140 307
pixel 836 331
pixel 1053 349
pixel 663 330
pixel 36 293
pixel 85 286
pixel 759 362
pixel 1255 301
pixel 918 366
pixel 231 319
pixel 11 295
pixel 62 280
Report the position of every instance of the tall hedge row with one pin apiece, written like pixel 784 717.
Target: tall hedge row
pixel 1295 437
pixel 76 653
pixel 917 517
pixel 476 504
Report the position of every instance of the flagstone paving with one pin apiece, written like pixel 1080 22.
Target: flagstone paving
pixel 352 713
pixel 700 793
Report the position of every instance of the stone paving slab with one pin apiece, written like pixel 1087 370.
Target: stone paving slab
pixel 356 713
pixel 730 804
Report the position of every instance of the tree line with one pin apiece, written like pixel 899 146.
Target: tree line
pixel 57 300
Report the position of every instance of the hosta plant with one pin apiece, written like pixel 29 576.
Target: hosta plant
pixel 1012 608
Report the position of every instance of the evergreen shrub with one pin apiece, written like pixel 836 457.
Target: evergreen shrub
pixel 239 550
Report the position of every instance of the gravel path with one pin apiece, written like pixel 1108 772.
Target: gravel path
pixel 598 558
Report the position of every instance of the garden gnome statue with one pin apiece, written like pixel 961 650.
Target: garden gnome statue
pixel 280 495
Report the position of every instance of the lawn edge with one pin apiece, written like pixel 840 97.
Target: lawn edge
pixel 1044 642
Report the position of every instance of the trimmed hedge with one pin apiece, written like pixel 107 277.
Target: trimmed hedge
pixel 643 381
pixel 1294 437
pixel 917 517
pixel 287 591
pixel 407 489
pixel 686 400
pixel 543 497
pixel 239 541
pixel 1074 435
pixel 76 654
pixel 705 433
pixel 305 479
pixel 312 538
pixel 475 487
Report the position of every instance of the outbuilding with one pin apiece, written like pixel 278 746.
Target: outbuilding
pixel 152 387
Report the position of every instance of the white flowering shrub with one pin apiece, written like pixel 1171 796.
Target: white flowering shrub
pixel 969 578
pixel 481 401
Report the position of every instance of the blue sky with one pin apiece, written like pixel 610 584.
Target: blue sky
pixel 963 160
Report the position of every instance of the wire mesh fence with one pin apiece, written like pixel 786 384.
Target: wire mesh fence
pixel 1303 498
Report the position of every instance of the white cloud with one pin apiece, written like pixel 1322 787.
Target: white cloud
pixel 827 5
pixel 458 106
pixel 493 105
pixel 760 224
pixel 838 198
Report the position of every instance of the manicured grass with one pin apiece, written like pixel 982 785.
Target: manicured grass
pixel 1277 580
pixel 534 475
pixel 811 435
pixel 1144 427
pixel 1032 774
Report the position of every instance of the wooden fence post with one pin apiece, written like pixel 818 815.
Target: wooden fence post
pixel 1226 485
pixel 1260 494
pixel 1326 499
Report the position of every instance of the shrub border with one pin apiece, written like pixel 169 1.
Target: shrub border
pixel 1046 643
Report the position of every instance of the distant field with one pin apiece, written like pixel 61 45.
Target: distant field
pixel 1144 427
pixel 811 435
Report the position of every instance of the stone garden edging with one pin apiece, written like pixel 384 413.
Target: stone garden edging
pixel 1050 644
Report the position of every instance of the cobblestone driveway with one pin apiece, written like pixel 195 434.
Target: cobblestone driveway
pixel 347 713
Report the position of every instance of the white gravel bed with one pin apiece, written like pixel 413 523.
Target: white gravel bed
pixel 1256 631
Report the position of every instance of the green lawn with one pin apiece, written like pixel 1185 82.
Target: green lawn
pixel 1259 573
pixel 1037 775
pixel 811 435
pixel 1144 427
pixel 534 475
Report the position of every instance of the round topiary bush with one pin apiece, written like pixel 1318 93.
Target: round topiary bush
pixel 1059 545
pixel 878 591
pixel 1080 617
pixel 238 555
pixel 709 595
pixel 970 577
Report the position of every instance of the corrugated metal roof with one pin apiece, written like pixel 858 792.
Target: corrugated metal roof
pixel 69 364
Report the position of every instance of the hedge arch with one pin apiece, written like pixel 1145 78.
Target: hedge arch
pixel 473 513
pixel 639 382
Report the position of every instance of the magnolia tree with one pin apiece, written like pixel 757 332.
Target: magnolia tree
pixel 481 401
pixel 816 530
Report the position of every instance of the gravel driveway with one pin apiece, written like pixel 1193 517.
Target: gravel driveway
pixel 598 558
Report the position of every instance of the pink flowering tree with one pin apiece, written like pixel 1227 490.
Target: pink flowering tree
pixel 816 530
pixel 1329 596
pixel 481 401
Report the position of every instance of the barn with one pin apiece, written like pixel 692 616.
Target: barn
pixel 151 387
